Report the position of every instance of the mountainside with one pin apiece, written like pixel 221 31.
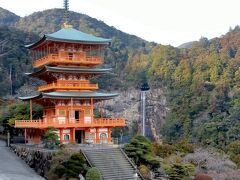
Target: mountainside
pixel 7 17
pixel 202 88
pixel 194 91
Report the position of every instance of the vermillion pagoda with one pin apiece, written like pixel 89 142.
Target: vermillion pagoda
pixel 66 61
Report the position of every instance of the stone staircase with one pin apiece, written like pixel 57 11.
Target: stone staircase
pixel 112 162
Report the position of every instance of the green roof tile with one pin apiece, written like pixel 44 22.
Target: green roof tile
pixel 77 95
pixel 76 70
pixel 71 35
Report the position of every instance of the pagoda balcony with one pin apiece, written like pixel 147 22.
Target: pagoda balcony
pixel 68 85
pixel 98 122
pixel 76 59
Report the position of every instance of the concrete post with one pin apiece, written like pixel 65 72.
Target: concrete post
pixel 8 139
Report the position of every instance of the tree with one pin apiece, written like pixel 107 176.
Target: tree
pixel 50 138
pixel 93 174
pixel 141 151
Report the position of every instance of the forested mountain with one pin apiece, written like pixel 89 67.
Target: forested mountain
pixel 7 17
pixel 201 83
pixel 13 58
pixel 202 87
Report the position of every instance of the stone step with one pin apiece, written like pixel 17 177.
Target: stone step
pixel 111 162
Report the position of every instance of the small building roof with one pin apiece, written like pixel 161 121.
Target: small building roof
pixel 71 35
pixel 76 95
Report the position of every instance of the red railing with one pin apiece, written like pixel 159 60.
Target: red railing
pixel 75 59
pixel 68 85
pixel 99 122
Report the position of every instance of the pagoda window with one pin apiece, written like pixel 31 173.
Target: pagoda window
pixel 62 77
pixel 87 112
pixel 78 103
pixel 66 137
pixel 62 112
pixel 70 56
pixel 70 77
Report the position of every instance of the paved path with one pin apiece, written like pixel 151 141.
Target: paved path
pixel 13 168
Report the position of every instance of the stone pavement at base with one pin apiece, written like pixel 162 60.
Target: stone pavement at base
pixel 13 168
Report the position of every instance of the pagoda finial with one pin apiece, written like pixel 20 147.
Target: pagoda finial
pixel 66 14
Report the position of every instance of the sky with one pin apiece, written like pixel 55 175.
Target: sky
pixel 163 21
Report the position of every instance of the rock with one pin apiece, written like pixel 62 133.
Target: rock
pixel 37 158
pixel 128 103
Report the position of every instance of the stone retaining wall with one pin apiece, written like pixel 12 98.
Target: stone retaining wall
pixel 36 158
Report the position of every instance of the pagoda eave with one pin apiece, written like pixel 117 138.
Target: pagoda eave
pixel 70 35
pixel 48 69
pixel 75 95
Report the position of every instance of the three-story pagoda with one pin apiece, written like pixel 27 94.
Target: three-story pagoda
pixel 66 60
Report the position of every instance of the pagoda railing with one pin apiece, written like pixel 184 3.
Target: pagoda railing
pixel 68 85
pixel 73 59
pixel 98 122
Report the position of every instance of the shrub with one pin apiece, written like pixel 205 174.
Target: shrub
pixel 50 138
pixel 179 171
pixel 144 170
pixel 93 174
pixel 184 147
pixel 75 165
pixel 140 150
pixel 233 149
pixel 163 150
pixel 66 165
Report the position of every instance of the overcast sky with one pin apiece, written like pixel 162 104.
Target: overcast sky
pixel 163 21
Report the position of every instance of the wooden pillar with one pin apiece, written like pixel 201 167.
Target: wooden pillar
pixel 61 135
pixel 97 135
pixel 73 135
pixel 25 135
pixel 109 135
pixel 30 109
pixel 101 109
pixel 91 111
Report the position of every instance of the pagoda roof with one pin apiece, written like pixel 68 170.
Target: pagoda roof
pixel 69 70
pixel 76 95
pixel 71 35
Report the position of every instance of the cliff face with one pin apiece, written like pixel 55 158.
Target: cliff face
pixel 128 103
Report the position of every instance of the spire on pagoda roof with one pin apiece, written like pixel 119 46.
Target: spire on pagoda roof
pixel 66 15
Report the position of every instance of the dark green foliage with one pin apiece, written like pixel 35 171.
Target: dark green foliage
pixel 74 166
pixel 14 58
pixel 68 167
pixel 164 150
pixel 93 174
pixel 50 138
pixel 184 147
pixel 233 149
pixel 140 150
pixel 15 110
pixel 179 171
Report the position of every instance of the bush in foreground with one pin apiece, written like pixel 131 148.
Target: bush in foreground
pixel 93 174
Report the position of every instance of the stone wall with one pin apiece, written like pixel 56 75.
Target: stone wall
pixel 36 158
